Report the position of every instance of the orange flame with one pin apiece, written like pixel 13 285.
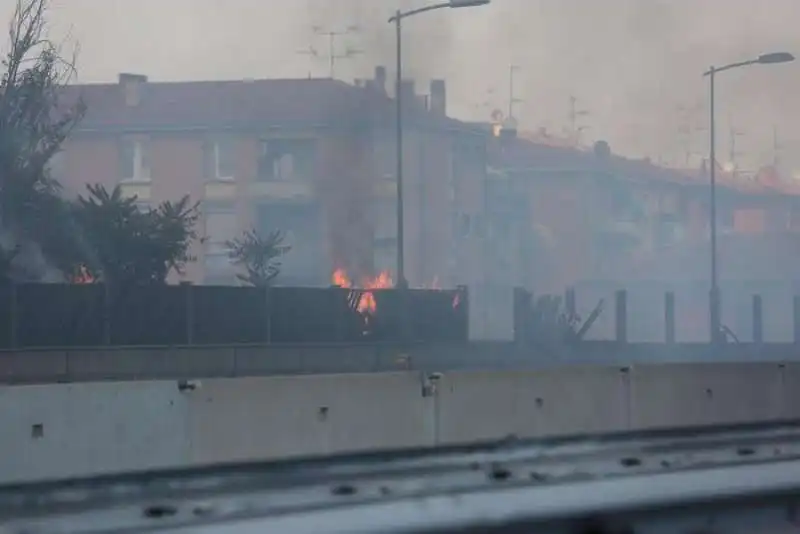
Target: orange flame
pixel 83 276
pixel 366 303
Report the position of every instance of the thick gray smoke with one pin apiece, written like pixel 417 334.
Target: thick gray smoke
pixel 631 63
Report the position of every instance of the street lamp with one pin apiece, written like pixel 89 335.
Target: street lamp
pixel 714 296
pixel 397 20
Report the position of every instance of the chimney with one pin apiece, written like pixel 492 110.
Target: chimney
pixel 380 78
pixel 438 100
pixel 132 86
pixel 407 92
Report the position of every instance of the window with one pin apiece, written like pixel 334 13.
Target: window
pixel 384 221
pixel 624 204
pixel 221 225
pixel 286 159
pixel 134 160
pixel 384 153
pixel 461 225
pixel 223 160
pixel 668 230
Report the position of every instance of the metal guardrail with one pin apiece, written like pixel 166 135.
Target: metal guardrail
pixel 725 479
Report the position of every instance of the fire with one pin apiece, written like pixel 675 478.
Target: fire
pixel 366 303
pixel 83 276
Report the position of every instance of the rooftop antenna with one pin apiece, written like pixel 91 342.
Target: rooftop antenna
pixel 687 129
pixel 512 69
pixel 333 54
pixel 733 154
pixel 574 114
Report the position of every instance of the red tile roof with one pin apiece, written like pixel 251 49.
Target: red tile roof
pixel 520 154
pixel 236 104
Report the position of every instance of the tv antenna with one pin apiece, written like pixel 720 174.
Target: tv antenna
pixel 333 54
pixel 512 99
pixel 574 115
pixel 688 128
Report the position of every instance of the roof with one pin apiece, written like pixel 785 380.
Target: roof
pixel 237 104
pixel 526 154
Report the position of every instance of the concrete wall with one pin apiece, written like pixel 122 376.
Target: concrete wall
pixel 102 427
pixel 65 430
pixel 156 363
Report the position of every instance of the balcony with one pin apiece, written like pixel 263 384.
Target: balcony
pixel 139 189
pixel 282 190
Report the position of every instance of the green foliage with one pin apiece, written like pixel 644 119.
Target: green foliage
pixel 128 245
pixel 258 255
pixel 41 232
pixel 33 126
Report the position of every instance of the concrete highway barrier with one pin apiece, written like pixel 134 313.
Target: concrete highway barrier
pixel 63 430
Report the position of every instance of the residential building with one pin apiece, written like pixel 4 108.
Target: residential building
pixel 599 216
pixel 591 219
pixel 313 158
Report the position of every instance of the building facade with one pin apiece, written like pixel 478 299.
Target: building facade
pixel 591 215
pixel 312 158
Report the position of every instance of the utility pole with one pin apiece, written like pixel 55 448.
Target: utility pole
pixel 332 55
pixel 511 98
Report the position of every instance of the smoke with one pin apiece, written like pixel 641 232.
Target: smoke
pixel 631 63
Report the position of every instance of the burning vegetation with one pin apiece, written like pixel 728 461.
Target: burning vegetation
pixel 83 276
pixel 366 299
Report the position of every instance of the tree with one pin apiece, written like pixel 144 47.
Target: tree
pixel 258 255
pixel 34 123
pixel 127 245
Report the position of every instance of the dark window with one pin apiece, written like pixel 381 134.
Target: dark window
pixel 624 205
pixel 127 158
pixel 668 230
pixel 221 225
pixel 224 159
pixel 283 159
pixel 134 161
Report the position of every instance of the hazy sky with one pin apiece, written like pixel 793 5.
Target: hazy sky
pixel 631 63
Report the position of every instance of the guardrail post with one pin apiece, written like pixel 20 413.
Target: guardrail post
pixel 13 319
pixel 268 314
pixel 106 314
pixel 569 302
pixel 758 320
pixel 796 317
pixel 521 314
pixel 189 296
pixel 669 317
pixel 621 307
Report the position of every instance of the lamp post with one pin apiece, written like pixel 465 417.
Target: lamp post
pixel 714 296
pixel 397 20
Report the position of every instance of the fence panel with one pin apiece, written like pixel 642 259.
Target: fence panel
pixel 149 315
pixel 48 315
pixel 58 315
pixel 224 314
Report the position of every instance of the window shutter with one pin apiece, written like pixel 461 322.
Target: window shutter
pixel 125 155
pixel 209 172
pixel 146 145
